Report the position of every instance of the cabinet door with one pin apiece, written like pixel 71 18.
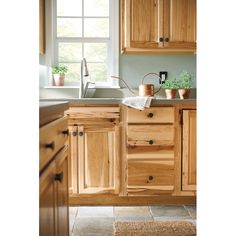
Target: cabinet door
pixel 61 182
pixel 180 24
pixel 142 23
pixel 73 159
pixel 189 150
pixel 98 159
pixel 47 202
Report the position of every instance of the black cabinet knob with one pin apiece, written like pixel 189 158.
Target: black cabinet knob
pixel 74 133
pixel 150 177
pixel 81 133
pixel 161 39
pixel 66 132
pixel 58 177
pixel 150 115
pixel 50 145
pixel 150 142
pixel 167 40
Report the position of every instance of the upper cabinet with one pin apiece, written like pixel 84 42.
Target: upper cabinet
pixel 158 26
pixel 41 26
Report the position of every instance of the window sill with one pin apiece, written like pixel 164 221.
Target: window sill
pixel 76 86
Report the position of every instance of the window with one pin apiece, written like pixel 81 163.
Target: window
pixel 87 29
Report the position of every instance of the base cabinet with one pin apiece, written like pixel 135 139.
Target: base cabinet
pixel 53 213
pixel 189 150
pixel 94 150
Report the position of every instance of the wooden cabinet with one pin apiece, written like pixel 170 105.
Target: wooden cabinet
pixel 158 26
pixel 189 151
pixel 53 181
pixel 54 214
pixel 41 26
pixel 94 150
pixel 150 142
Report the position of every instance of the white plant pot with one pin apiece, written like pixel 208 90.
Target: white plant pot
pixel 59 79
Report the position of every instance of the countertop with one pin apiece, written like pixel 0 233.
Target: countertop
pixel 114 101
pixel 51 110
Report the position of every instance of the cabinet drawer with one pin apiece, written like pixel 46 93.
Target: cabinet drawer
pixel 154 175
pixel 151 115
pixel 52 138
pixel 150 135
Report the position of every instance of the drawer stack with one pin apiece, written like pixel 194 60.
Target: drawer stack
pixel 150 151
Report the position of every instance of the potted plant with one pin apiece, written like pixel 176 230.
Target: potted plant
pixel 170 87
pixel 185 83
pixel 59 74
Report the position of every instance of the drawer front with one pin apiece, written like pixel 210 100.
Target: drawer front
pixel 151 115
pixel 52 139
pixel 144 173
pixel 150 135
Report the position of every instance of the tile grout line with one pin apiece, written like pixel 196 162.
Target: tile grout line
pixel 151 212
pixel 188 211
pixel 74 220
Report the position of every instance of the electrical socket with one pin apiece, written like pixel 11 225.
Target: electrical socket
pixel 163 76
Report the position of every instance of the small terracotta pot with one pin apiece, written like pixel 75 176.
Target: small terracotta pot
pixel 183 93
pixel 59 79
pixel 170 93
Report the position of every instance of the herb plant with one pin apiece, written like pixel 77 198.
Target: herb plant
pixel 185 80
pixel 59 69
pixel 170 84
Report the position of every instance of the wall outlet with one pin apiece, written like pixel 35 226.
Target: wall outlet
pixel 163 76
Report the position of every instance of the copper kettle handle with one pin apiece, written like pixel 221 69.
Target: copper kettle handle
pixel 116 77
pixel 152 73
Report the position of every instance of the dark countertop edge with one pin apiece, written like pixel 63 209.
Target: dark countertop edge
pixel 118 101
pixel 51 110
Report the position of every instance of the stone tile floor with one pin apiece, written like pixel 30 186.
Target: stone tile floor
pixel 98 221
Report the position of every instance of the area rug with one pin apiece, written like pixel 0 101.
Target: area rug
pixel 155 228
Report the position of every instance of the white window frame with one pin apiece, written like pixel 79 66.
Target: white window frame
pixel 113 48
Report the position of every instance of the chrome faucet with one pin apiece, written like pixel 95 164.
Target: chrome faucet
pixel 83 73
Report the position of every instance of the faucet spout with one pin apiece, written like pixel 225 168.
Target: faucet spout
pixel 83 72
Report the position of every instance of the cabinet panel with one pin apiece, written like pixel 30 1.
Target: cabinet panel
pixel 150 177
pixel 52 139
pixel 47 202
pixel 150 135
pixel 62 193
pixel 73 159
pixel 189 150
pixel 151 115
pixel 180 23
pixel 98 159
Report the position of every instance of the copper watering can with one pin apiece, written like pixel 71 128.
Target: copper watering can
pixel 145 90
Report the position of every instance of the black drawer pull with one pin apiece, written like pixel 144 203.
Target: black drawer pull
pixel 50 145
pixel 66 132
pixel 58 177
pixel 161 39
pixel 74 133
pixel 81 133
pixel 150 142
pixel 150 115
pixel 150 178
pixel 167 40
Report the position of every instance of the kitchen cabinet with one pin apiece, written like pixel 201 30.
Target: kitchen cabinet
pixel 53 172
pixel 54 214
pixel 189 150
pixel 94 150
pixel 158 26
pixel 150 153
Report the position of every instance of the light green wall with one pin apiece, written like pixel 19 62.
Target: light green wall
pixel 134 67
